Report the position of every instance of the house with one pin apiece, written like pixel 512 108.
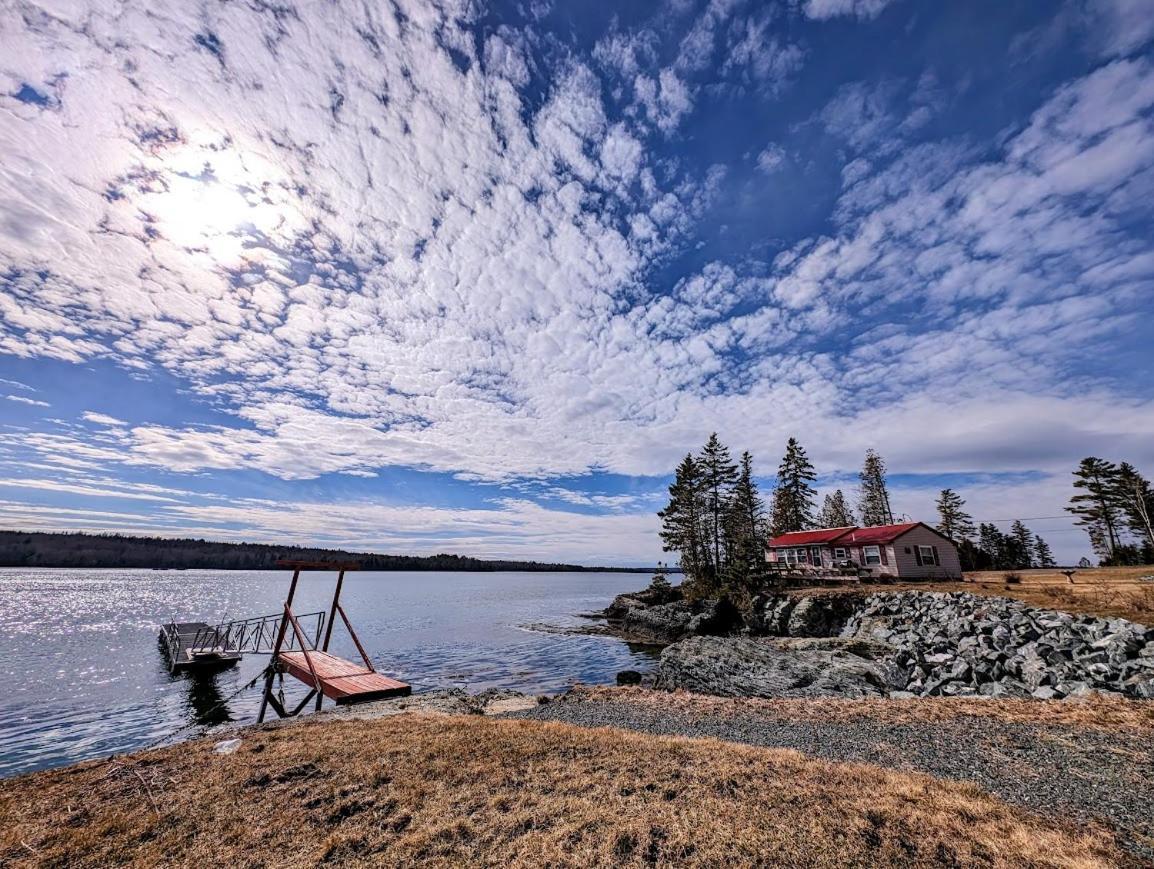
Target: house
pixel 910 550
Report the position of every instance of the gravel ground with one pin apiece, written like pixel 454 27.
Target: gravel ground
pixel 1054 770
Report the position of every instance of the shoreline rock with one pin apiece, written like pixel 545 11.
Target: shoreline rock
pixel 755 667
pixel 916 644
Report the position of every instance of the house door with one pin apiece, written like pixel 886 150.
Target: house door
pixel 815 556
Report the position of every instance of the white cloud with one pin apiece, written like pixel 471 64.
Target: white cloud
pixel 824 9
pixel 1119 27
pixel 770 159
pixel 80 488
pixel 102 418
pixel 25 400
pixel 396 262
pixel 509 529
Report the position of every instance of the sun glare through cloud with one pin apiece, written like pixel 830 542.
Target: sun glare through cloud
pixel 466 257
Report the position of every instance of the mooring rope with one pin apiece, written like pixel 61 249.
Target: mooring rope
pixel 169 736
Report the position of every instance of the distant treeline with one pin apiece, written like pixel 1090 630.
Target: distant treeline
pixel 48 549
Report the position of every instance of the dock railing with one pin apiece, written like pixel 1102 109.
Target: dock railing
pixel 258 635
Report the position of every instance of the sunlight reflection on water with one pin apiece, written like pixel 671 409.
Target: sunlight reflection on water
pixel 85 678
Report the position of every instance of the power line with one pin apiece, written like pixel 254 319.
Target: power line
pixel 1024 519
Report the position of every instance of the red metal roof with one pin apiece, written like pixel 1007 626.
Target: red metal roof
pixel 805 538
pixel 874 534
pixel 877 533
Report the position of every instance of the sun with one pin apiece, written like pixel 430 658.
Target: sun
pixel 221 205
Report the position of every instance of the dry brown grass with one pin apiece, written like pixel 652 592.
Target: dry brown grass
pixel 435 790
pixel 1100 591
pixel 1100 712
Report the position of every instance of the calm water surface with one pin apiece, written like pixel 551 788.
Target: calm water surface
pixel 84 677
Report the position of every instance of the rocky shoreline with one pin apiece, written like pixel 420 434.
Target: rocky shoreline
pixel 889 644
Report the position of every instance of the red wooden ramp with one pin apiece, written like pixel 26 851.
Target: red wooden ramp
pixel 341 680
pixel 325 675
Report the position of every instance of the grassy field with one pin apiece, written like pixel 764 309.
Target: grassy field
pixel 1105 591
pixel 446 791
pixel 1099 591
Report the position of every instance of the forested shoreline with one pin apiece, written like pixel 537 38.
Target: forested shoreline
pixel 57 549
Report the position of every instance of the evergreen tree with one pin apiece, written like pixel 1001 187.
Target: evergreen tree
pixel 1136 500
pixel 682 525
pixel 745 533
pixel 1042 552
pixel 835 512
pixel 1096 506
pixel 874 506
pixel 793 499
pixel 1021 542
pixel 992 543
pixel 719 474
pixel 953 521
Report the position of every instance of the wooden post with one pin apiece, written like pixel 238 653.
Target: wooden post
pixel 329 626
pixel 333 611
pixel 356 640
pixel 276 647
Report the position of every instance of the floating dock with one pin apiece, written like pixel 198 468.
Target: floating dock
pixel 195 646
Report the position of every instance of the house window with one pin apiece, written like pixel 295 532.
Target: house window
pixel 927 554
pixel 789 555
pixel 839 552
pixel 872 554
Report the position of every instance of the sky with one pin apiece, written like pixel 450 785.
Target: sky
pixel 471 277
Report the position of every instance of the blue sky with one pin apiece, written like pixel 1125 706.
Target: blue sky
pixel 472 277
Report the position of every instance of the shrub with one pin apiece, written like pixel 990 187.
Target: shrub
pixel 1058 592
pixel 659 583
pixel 1012 578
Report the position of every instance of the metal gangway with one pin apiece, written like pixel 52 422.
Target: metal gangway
pixel 258 635
pixel 200 646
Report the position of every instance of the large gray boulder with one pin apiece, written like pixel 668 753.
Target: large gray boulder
pixel 819 615
pixel 750 667
pixel 654 595
pixel 670 622
pixel 665 623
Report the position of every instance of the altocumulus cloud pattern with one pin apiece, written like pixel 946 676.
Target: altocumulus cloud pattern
pixel 475 276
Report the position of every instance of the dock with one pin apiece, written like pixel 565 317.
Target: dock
pixel 325 674
pixel 341 680
pixel 195 646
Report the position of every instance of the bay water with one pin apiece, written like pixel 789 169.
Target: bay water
pixel 83 675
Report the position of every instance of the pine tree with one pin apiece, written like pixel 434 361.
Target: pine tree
pixel 874 506
pixel 992 543
pixel 719 474
pixel 682 524
pixel 1136 500
pixel 793 499
pixel 1042 552
pixel 953 521
pixel 1097 505
pixel 1021 546
pixel 745 532
pixel 835 512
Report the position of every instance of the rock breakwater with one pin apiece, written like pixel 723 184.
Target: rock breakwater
pixel 898 644
pixel 957 644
